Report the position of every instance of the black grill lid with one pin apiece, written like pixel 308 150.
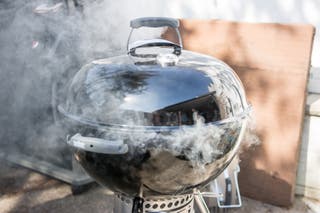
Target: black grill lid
pixel 120 91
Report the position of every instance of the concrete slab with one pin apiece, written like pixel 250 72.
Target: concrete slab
pixel 313 104
pixel 22 190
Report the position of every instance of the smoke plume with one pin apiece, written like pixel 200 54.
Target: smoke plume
pixel 42 45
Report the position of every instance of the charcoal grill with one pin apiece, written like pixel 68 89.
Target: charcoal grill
pixel 158 121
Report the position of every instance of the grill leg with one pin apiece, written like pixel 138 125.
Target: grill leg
pixel 137 206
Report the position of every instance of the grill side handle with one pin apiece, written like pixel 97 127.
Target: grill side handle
pixel 98 145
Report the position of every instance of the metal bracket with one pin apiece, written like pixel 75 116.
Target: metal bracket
pixel 239 201
pixel 224 199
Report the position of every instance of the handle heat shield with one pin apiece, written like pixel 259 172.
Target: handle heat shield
pixel 153 22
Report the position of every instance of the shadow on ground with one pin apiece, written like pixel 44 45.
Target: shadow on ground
pixel 22 190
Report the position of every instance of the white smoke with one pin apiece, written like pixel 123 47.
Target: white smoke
pixel 200 144
pixel 43 43
pixel 251 138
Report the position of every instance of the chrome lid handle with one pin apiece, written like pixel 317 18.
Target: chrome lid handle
pixel 156 22
pixel 98 145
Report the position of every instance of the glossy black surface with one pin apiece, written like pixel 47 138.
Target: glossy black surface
pixel 165 163
pixel 118 91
